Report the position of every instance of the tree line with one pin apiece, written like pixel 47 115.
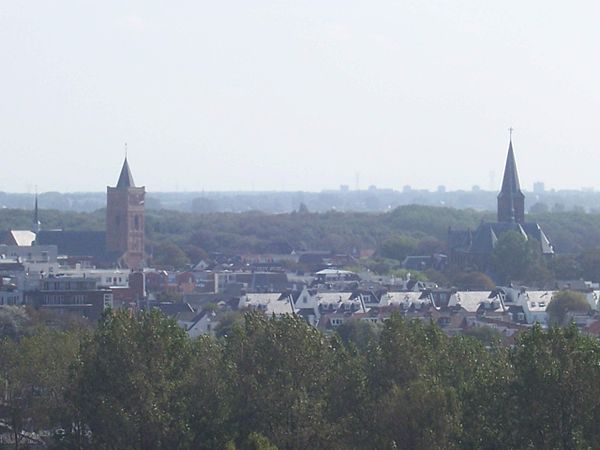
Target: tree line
pixel 137 382
pixel 176 239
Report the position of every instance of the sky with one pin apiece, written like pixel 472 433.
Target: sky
pixel 298 95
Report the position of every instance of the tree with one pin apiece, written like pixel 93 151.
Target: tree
pixel 553 401
pixel 131 378
pixel 404 374
pixel 486 335
pixel 281 378
pixel 169 255
pixel 13 321
pixel 303 209
pixel 564 302
pixel 398 247
pixel 209 390
pixel 34 378
pixel 470 280
pixel 514 256
pixel 360 333
pixel 590 264
pixel 567 267
pixel 538 208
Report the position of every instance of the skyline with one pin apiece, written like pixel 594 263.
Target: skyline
pixel 297 97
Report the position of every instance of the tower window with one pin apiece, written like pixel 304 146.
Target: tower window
pixel 136 222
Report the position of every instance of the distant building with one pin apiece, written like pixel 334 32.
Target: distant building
pixel 475 247
pixel 125 220
pixel 72 295
pixel 539 187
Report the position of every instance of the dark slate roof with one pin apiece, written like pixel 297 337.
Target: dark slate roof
pixel 172 309
pixel 534 230
pixel 75 243
pixel 459 239
pixel 487 234
pixel 484 239
pixel 125 179
pixel 510 182
pixel 275 281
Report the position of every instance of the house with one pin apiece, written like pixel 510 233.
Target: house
pixel 268 303
pixel 71 295
pixel 203 324
pixel 437 261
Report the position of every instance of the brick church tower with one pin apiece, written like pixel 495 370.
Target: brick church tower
pixel 125 220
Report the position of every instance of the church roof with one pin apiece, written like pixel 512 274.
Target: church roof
pixel 510 182
pixel 75 243
pixel 125 179
pixel 487 234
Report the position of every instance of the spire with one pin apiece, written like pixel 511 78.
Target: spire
pixel 510 182
pixel 125 179
pixel 511 201
pixel 37 225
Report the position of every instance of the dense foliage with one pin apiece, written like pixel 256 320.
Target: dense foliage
pixel 137 382
pixel 176 239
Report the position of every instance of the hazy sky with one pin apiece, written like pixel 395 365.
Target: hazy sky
pixel 298 95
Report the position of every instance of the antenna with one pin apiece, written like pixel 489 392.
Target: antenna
pixel 125 150
pixel 510 131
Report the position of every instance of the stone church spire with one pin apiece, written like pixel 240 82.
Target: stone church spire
pixel 37 225
pixel 125 178
pixel 511 201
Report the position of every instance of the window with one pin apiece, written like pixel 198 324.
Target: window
pixel 108 301
pixel 136 222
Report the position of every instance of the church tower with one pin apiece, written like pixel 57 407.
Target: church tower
pixel 125 220
pixel 511 201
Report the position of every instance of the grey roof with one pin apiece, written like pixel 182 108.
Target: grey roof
pixel 125 179
pixel 510 182
pixel 459 238
pixel 75 243
pixel 487 234
pixel 484 239
pixel 534 230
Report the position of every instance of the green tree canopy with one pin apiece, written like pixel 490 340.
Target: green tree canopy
pixel 564 302
pixel 515 257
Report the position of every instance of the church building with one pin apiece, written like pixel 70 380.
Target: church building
pixel 121 245
pixel 475 247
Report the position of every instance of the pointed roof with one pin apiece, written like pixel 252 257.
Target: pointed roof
pixel 125 179
pixel 36 216
pixel 510 182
